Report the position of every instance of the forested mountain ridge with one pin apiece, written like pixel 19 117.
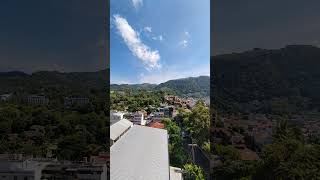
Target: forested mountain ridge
pixel 84 81
pixel 75 81
pixel 144 86
pixel 290 73
pixel 192 86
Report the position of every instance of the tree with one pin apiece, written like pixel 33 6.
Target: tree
pixel 290 159
pixel 235 170
pixel 286 158
pixel 207 147
pixel 284 130
pixel 193 172
pixel 174 131
pixel 303 164
pixel 72 147
pixel 198 123
pixel 177 153
pixel 227 152
pixel 219 123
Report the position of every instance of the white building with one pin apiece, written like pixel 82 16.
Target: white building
pixel 37 100
pixel 5 97
pixel 18 167
pixel 157 116
pixel 138 118
pixel 92 171
pixel 74 100
pixel 22 169
pixel 175 173
pixel 122 93
pixel 191 102
pixel 115 116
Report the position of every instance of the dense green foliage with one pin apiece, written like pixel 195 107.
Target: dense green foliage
pixel 193 172
pixel 195 87
pixel 198 123
pixel 71 132
pixel 136 100
pixel 228 152
pixel 62 83
pixel 133 87
pixel 177 153
pixel 288 157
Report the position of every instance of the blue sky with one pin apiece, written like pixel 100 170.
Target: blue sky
pixel 156 41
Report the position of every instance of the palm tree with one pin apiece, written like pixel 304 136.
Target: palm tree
pixel 282 129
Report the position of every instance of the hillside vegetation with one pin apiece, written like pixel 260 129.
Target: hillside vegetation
pixel 192 86
pixel 289 77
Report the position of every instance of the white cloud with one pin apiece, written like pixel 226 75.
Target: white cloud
pixel 160 38
pixel 185 40
pixel 147 29
pixel 150 34
pixel 137 3
pixel 121 82
pixel 157 38
pixel 116 79
pixel 150 58
pixel 183 43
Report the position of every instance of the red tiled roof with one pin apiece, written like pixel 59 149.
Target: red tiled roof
pixel 156 125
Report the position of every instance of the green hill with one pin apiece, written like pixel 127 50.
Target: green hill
pixel 145 86
pixel 192 86
pixel 39 81
pixel 288 76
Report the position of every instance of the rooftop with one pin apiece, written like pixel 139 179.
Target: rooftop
pixel 156 125
pixel 142 153
pixel 118 128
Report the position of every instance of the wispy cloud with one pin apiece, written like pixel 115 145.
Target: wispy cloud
pixel 119 79
pixel 183 43
pixel 158 38
pixel 137 3
pixel 147 29
pixel 185 40
pixel 148 33
pixel 121 82
pixel 150 58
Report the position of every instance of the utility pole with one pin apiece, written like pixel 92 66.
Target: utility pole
pixel 192 151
